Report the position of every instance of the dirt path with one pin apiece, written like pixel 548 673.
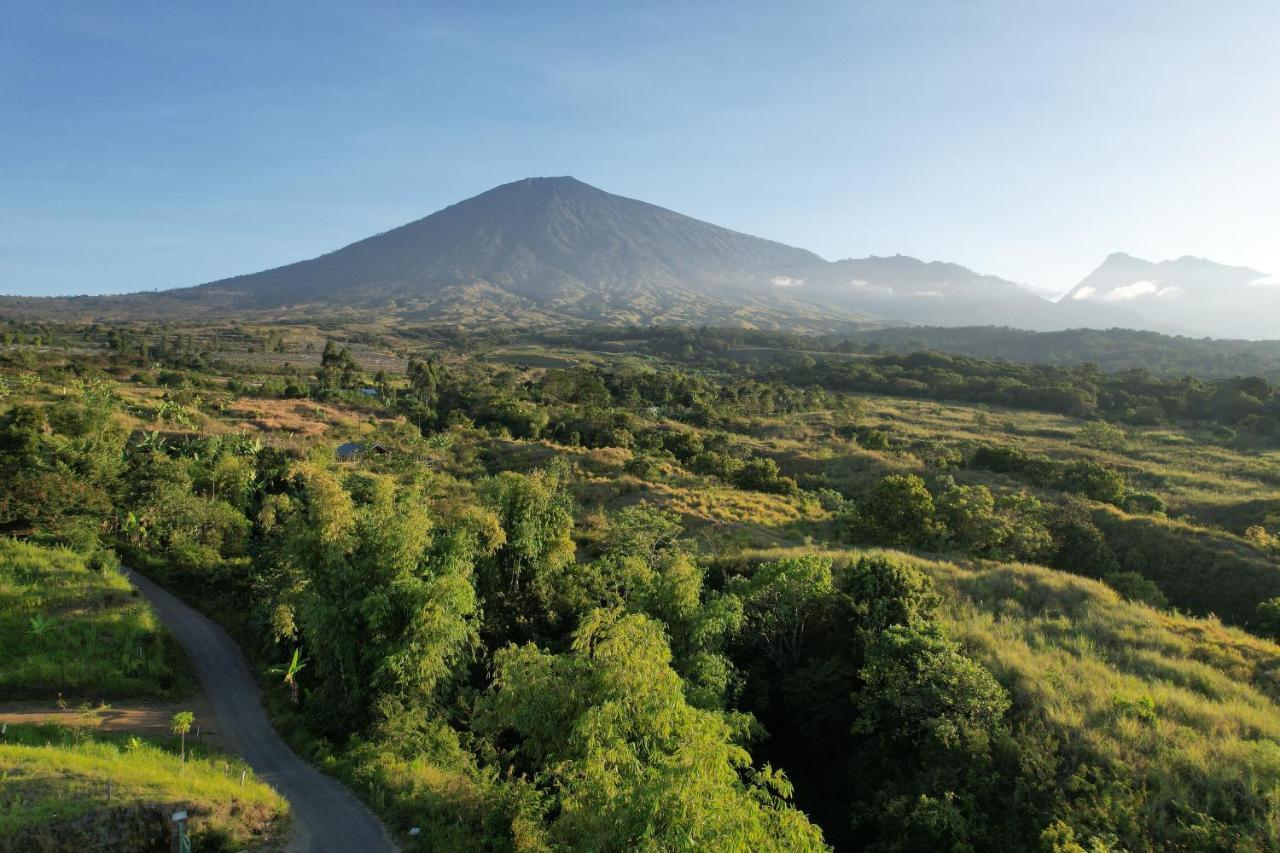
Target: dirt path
pixel 326 816
pixel 152 719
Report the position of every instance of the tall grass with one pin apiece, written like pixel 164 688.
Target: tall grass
pixel 49 774
pixel 1187 709
pixel 71 629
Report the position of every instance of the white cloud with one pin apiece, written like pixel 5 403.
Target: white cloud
pixel 786 281
pixel 862 284
pixel 1084 292
pixel 1129 292
pixel 1265 281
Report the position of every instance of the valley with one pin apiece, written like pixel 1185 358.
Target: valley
pixel 575 579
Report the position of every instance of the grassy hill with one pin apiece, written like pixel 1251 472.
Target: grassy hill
pixel 75 633
pixel 945 621
pixel 63 789
pixel 81 632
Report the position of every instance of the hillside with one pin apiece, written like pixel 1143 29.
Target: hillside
pixel 1190 295
pixel 1109 349
pixel 79 768
pixel 625 586
pixel 556 251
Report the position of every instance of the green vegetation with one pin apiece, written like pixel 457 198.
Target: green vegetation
pixel 52 777
pixel 76 628
pixel 637 589
pixel 1110 349
pixel 75 632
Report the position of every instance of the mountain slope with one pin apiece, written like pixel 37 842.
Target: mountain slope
pixel 1192 294
pixel 909 290
pixel 552 250
pixel 544 239
pixel 538 250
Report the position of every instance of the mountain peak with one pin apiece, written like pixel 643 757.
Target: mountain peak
pixel 1186 294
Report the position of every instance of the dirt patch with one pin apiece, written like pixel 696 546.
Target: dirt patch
pixel 151 719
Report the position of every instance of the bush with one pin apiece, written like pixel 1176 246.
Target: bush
pixel 760 474
pixel 1144 503
pixel 1135 587
pixel 644 467
pixel 1079 545
pixel 1268 622
pixel 898 511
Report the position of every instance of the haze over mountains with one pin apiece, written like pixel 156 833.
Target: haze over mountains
pixel 546 250
pixel 1189 293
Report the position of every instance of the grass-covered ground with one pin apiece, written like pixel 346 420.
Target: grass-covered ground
pixel 1187 709
pixel 1129 726
pixel 51 777
pixel 80 632
pixel 75 633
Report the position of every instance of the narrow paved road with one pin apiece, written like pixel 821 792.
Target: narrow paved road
pixel 327 817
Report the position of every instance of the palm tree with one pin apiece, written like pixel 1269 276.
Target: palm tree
pixel 180 725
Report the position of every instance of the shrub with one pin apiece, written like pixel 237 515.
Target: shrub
pixel 898 511
pixel 1144 503
pixel 1135 587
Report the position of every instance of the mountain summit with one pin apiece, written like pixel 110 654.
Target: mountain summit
pixel 545 247
pixel 1188 294
pixel 551 250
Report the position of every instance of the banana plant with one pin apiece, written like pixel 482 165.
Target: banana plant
pixel 289 673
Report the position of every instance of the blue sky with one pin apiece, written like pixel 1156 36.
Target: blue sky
pixel 150 145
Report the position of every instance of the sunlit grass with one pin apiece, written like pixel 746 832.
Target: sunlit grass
pixel 71 629
pixel 49 775
pixel 1189 708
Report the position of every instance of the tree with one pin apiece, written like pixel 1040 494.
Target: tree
pixel 1093 481
pixel 918 688
pixel 888 592
pixel 338 370
pixel 760 474
pixel 1101 435
pixel 969 515
pixel 781 599
pixel 180 725
pixel 898 511
pixel 521 580
pixel 1269 617
pixel 1135 587
pixel 622 759
pixel 383 601
pixel 1079 545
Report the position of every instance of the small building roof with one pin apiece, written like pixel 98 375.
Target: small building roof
pixel 354 450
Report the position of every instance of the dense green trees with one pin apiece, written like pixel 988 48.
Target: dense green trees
pixel 381 600
pixel 449 628
pixel 898 511
pixel 1132 393
pixel 625 761
pixel 853 676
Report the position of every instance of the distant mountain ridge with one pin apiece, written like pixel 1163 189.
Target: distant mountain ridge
pixel 554 250
pixel 1194 294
